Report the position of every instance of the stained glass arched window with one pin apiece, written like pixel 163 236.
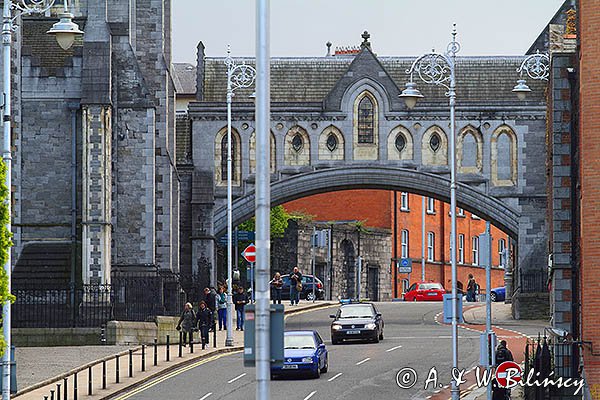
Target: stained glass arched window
pixel 366 120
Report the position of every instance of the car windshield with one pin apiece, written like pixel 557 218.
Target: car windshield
pixel 299 342
pixel 356 312
pixel 426 286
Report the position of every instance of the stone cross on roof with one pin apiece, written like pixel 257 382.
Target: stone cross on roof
pixel 366 42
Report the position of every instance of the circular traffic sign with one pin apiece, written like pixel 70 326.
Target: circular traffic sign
pixel 508 374
pixel 249 253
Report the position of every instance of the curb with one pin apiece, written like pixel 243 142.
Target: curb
pixel 183 363
pixel 172 368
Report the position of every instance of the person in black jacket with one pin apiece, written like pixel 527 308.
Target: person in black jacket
pixel 204 320
pixel 240 299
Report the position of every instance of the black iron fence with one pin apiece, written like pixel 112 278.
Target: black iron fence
pixel 533 282
pixel 127 298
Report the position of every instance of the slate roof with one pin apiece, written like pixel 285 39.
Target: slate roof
pixel 184 78
pixel 479 79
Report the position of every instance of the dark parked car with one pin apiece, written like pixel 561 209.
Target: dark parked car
pixel 357 321
pixel 307 288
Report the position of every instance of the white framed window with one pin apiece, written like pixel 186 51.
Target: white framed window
pixel 404 201
pixel 475 250
pixel 501 248
pixel 430 205
pixel 430 246
pixel 461 248
pixel 404 243
pixel 460 212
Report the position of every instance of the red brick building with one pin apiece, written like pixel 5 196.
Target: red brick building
pixel 401 213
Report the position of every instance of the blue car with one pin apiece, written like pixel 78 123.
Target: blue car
pixel 304 352
pixel 498 294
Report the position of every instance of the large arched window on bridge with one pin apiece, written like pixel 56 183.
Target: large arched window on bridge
pixel 221 158
pixel 470 151
pixel 504 157
pixel 400 144
pixel 434 146
pixel 331 144
pixel 366 127
pixel 297 147
pixel 252 150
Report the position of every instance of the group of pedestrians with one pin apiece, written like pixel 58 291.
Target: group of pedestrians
pixel 295 286
pixel 214 304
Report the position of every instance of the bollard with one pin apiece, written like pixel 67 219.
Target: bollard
pixel 180 339
pixel 75 386
pixel 168 349
pixel 66 396
pixel 214 335
pixel 52 395
pixel 143 357
pixel 89 381
pixel 117 368
pixel 130 363
pixel 103 334
pixel 103 374
pixel 58 391
pixel 191 343
pixel 155 352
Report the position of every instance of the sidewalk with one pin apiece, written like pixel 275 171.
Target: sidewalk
pixel 42 369
pixel 515 332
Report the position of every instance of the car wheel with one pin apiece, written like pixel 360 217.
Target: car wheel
pixel 493 296
pixel 310 296
pixel 326 366
pixel 317 373
pixel 376 338
pixel 381 335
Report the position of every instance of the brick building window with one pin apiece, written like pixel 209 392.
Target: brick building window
pixel 475 250
pixel 430 246
pixel 404 201
pixel 430 205
pixel 224 157
pixel 461 248
pixel 366 118
pixel 501 248
pixel 404 243
pixel 460 212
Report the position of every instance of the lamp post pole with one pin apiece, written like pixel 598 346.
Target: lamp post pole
pixel 439 69
pixel 65 31
pixel 238 76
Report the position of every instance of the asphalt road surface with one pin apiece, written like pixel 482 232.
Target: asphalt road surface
pixel 356 370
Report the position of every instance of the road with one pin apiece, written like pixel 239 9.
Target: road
pixel 356 371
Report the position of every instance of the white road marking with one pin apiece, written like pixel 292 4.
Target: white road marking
pixel 334 377
pixel 206 396
pixel 363 361
pixel 236 378
pixel 392 349
pixel 307 397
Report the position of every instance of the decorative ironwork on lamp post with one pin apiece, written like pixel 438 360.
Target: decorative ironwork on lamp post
pixel 537 67
pixel 439 69
pixel 65 31
pixel 238 76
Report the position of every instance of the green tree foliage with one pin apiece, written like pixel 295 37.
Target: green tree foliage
pixel 279 222
pixel 5 245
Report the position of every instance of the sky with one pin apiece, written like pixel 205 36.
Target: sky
pixel 397 27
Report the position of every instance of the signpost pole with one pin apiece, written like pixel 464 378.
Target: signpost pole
pixel 252 281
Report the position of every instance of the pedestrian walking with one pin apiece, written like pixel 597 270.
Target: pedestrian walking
pixel 210 297
pixel 277 285
pixel 204 320
pixel 222 308
pixel 240 299
pixel 503 353
pixel 471 288
pixel 295 286
pixel 187 323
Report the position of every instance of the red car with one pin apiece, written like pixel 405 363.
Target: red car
pixel 425 291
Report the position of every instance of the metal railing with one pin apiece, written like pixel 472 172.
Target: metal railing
pixel 127 298
pixel 533 282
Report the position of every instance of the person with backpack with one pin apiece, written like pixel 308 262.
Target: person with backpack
pixel 240 299
pixel 295 286
pixel 471 288
pixel 503 353
pixel 204 320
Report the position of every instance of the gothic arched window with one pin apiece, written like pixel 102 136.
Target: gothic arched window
pixel 224 157
pixel 366 120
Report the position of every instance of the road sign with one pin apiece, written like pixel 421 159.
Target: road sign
pixel 405 266
pixel 249 253
pixel 508 374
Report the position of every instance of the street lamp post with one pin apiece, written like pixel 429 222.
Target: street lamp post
pixel 238 76
pixel 537 66
pixel 439 69
pixel 65 31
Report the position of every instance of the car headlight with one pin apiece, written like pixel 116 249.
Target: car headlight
pixel 371 326
pixel 336 327
pixel 307 360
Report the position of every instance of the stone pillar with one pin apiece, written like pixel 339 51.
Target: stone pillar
pixel 96 187
pixel 203 239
